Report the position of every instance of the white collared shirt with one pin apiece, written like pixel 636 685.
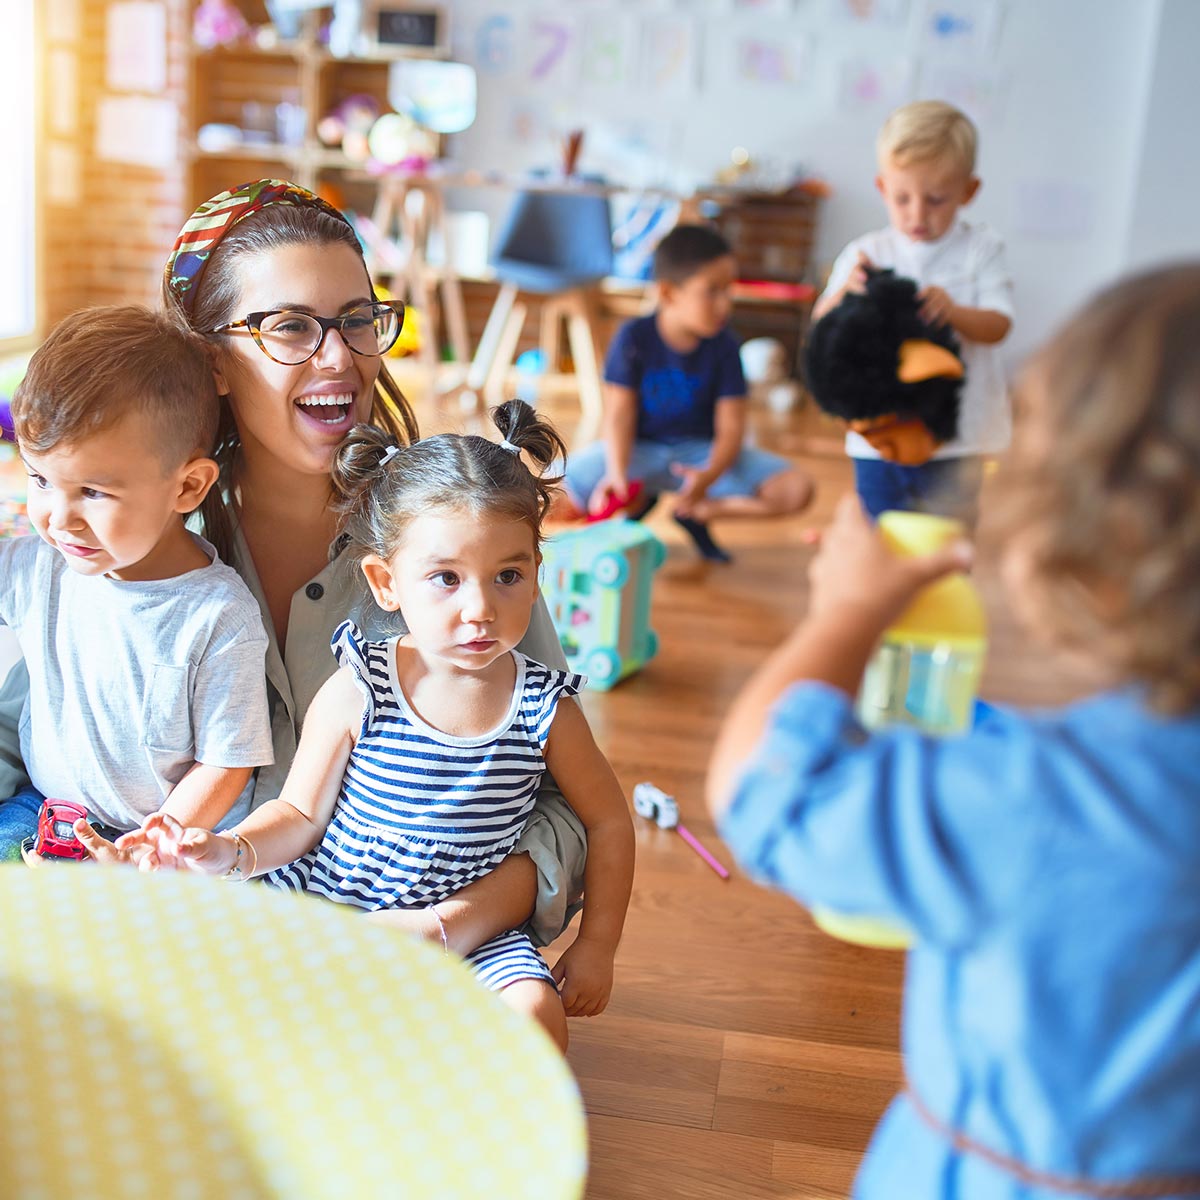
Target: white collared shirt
pixel 968 264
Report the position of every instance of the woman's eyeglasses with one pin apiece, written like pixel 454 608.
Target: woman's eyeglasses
pixel 291 338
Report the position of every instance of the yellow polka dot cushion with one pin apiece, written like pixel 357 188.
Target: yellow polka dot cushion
pixel 174 1036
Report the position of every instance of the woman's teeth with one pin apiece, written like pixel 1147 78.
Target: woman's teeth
pixel 330 409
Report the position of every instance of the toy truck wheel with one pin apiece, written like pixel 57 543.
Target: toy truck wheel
pixel 603 666
pixel 610 570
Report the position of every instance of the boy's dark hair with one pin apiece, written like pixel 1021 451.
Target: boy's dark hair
pixel 380 492
pixel 685 250
pixel 101 364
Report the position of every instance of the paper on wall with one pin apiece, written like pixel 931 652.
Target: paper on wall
pixel 139 130
pixel 63 181
pixel 136 59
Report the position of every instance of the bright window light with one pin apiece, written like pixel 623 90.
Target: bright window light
pixel 19 240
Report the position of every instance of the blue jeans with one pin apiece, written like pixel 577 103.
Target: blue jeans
pixel 948 487
pixel 18 820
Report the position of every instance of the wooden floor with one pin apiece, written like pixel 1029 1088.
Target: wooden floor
pixel 744 1054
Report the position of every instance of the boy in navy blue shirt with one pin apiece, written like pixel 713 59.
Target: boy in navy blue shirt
pixel 675 406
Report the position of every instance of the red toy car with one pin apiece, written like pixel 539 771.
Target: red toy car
pixel 56 829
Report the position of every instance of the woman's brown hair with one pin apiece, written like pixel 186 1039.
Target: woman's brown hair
pixel 217 291
pixel 1101 494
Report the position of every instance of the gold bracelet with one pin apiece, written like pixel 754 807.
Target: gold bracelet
pixel 237 872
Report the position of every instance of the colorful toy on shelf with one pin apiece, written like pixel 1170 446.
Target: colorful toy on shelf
pixel 597 582
pixel 218 23
pixel 655 805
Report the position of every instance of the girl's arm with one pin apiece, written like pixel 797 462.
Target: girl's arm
pixel 284 829
pixel 585 969
pixel 858 587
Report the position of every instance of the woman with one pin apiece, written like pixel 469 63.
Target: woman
pixel 269 272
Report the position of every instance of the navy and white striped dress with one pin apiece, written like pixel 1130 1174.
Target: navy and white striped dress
pixel 420 813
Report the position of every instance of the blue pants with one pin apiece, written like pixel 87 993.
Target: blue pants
pixel 948 487
pixel 18 820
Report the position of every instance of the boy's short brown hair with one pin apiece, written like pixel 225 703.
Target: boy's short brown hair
pixel 1101 494
pixel 100 365
pixel 927 131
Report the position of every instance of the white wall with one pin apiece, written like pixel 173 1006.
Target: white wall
pixel 1163 217
pixel 1086 110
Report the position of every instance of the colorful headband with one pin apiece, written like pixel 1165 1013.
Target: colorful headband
pixel 203 230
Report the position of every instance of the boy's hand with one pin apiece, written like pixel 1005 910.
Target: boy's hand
pixel 101 850
pixel 610 485
pixel 584 975
pixel 936 305
pixel 857 279
pixel 854 572
pixel 692 490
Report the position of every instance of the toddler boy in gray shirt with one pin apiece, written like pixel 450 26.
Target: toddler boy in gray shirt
pixel 145 653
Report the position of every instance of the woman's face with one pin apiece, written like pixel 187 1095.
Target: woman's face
pixel 296 415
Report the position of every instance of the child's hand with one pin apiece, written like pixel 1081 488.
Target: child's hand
pixel 936 305
pixel 101 850
pixel 169 846
pixel 857 279
pixel 854 570
pixel 692 490
pixel 584 975
pixel 610 485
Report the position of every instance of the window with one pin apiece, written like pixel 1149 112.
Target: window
pixel 18 232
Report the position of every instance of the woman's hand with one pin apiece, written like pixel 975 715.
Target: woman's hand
pixel 584 975
pixel 854 572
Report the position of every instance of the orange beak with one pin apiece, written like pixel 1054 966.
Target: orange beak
pixel 921 360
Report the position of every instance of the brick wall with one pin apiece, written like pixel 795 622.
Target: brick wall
pixel 107 244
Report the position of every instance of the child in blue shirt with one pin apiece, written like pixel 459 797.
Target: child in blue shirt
pixel 1046 862
pixel 675 405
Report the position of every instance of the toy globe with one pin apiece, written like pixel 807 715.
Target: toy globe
pixel 228 1039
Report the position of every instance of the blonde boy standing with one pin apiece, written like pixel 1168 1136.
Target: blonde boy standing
pixel 926 154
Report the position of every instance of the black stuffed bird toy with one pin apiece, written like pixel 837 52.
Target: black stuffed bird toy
pixel 875 364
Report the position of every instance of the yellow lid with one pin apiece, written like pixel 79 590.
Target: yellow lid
pixel 948 610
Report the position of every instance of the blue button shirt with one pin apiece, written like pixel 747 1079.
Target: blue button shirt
pixel 1049 866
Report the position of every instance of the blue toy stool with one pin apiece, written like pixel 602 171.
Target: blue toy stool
pixel 597 582
pixel 557 243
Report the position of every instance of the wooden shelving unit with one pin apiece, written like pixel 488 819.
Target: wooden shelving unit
pixel 243 85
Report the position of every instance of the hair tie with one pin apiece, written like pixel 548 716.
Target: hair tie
pixel 203 230
pixel 507 445
pixel 388 455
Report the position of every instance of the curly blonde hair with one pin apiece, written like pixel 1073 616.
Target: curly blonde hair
pixel 1101 493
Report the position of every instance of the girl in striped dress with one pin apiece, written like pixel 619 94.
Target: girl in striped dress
pixel 420 758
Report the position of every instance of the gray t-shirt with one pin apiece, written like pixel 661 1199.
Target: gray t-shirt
pixel 131 683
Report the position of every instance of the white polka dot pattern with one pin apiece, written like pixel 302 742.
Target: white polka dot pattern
pixel 175 1037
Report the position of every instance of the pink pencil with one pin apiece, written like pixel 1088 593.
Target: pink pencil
pixel 686 834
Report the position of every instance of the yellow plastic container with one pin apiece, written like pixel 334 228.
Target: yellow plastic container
pixel 925 673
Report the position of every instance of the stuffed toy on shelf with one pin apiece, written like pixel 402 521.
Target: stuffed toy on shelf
pixel 876 365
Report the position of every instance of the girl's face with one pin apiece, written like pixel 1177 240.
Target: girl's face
pixel 296 415
pixel 465 585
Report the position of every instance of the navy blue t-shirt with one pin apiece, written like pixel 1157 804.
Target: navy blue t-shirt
pixel 677 393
